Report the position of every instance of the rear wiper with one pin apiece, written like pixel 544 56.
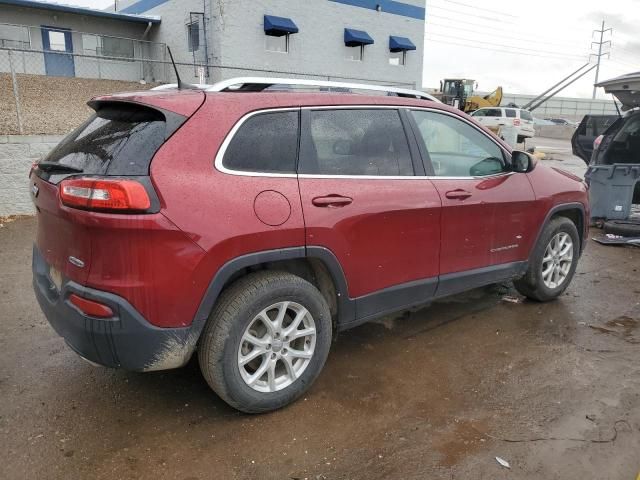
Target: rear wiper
pixel 58 167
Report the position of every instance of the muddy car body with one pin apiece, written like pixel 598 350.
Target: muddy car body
pixel 253 225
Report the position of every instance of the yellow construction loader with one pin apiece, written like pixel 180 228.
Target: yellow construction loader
pixel 458 92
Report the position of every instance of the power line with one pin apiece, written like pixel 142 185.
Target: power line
pixel 504 51
pixel 618 47
pixel 556 44
pixel 508 46
pixel 626 64
pixel 475 15
pixel 475 7
pixel 619 51
pixel 465 22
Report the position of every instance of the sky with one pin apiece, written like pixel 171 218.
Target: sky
pixel 523 46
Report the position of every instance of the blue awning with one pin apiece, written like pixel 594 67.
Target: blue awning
pixel 355 38
pixel 400 44
pixel 278 26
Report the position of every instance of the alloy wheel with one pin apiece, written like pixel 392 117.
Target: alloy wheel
pixel 557 260
pixel 277 346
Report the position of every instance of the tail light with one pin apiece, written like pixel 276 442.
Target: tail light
pixel 102 194
pixel 91 307
pixel 597 141
pixel 516 122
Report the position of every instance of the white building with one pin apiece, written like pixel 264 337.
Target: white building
pixel 377 41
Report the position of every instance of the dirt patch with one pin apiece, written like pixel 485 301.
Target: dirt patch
pixel 622 326
pixel 464 439
pixel 53 105
pixel 11 218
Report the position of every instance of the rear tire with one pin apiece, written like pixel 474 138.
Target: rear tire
pixel 246 351
pixel 553 262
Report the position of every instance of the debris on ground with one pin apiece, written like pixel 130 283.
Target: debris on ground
pixel 611 239
pixel 512 299
pixel 503 462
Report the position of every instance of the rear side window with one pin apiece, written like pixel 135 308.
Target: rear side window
pixel 511 113
pixel 267 142
pixel 355 142
pixel 525 115
pixel 116 140
pixel 493 112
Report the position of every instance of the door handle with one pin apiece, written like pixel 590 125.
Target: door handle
pixel 457 194
pixel 331 201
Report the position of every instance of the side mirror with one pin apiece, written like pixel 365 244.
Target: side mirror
pixel 343 147
pixel 522 162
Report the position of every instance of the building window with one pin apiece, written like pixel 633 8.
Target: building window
pixel 90 44
pixel 57 41
pixel 277 44
pixel 117 47
pixel 398 58
pixel 355 54
pixel 193 36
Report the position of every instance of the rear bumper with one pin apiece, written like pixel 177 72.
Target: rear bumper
pixel 125 341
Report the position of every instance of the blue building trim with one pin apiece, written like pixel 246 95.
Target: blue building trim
pixel 388 6
pixel 79 11
pixel 143 6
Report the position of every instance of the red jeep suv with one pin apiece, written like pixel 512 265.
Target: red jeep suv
pixel 250 224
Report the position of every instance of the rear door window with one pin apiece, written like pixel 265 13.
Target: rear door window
pixel 525 115
pixel 119 139
pixel 597 124
pixel 493 112
pixel 511 113
pixel 455 148
pixel 355 142
pixel 266 142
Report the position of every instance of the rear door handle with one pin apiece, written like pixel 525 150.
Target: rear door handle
pixel 331 201
pixel 457 194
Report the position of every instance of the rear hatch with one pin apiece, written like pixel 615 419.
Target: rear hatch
pixel 625 88
pixel 117 143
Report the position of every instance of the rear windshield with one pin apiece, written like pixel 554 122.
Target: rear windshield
pixel 116 140
pixel 525 115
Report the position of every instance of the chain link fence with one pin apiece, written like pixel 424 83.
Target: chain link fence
pixel 45 92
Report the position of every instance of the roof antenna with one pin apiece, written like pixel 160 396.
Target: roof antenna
pixel 181 84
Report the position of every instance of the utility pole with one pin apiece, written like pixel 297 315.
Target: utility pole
pixel 602 31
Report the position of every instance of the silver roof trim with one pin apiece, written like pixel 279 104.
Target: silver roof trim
pixel 261 83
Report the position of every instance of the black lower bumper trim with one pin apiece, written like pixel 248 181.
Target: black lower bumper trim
pixel 125 341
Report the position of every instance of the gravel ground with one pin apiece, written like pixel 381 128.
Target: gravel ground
pixel 53 105
pixel 552 388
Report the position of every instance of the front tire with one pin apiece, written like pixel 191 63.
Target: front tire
pixel 553 262
pixel 266 341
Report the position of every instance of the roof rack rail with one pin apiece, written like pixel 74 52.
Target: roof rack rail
pixel 258 84
pixel 172 86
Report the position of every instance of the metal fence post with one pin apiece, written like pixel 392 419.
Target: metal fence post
pixel 16 93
